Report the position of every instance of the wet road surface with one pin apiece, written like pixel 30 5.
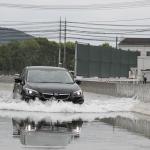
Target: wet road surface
pixel 102 123
pixel 108 131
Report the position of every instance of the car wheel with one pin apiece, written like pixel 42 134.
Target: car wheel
pixel 79 101
pixel 27 100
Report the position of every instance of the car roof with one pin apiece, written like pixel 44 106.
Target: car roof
pixel 44 67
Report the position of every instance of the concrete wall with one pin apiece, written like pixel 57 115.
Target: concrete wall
pixel 99 87
pixel 124 89
pixel 142 91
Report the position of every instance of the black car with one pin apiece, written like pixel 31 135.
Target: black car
pixel 47 83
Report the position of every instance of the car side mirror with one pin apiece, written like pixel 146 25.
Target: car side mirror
pixel 78 82
pixel 18 80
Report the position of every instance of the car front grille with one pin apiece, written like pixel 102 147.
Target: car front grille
pixel 57 96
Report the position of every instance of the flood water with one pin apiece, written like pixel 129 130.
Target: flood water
pixel 20 130
pixel 101 123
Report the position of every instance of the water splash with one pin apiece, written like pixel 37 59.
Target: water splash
pixel 94 103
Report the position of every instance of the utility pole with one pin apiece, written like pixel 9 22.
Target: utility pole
pixel 65 29
pixel 116 42
pixel 59 57
pixel 75 59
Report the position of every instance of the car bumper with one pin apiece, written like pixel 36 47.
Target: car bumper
pixel 75 100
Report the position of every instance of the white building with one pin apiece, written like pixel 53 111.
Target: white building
pixel 143 46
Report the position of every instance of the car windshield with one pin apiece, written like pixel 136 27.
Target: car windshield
pixel 49 76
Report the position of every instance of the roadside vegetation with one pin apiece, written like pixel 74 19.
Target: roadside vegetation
pixel 15 55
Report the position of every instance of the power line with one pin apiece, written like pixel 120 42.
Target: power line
pixel 101 24
pixel 75 30
pixel 96 28
pixel 29 27
pixel 32 31
pixel 139 30
pixel 89 39
pixel 36 27
pixel 123 20
pixel 25 35
pixel 71 32
pixel 84 34
pixel 29 23
pixel 23 38
pixel 49 22
pixel 108 6
pixel 105 33
pixel 53 23
pixel 29 31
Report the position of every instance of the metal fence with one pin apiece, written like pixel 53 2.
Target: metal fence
pixel 97 61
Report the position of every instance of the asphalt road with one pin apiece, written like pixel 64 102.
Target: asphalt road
pixel 101 123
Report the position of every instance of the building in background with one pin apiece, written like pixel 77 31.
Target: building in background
pixel 143 61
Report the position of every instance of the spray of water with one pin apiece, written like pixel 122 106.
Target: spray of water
pixel 94 103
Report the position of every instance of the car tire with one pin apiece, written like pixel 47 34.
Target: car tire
pixel 79 101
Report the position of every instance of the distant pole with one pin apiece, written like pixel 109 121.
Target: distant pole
pixel 75 59
pixel 64 62
pixel 59 57
pixel 116 42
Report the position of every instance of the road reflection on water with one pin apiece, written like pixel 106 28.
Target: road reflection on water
pixel 71 131
pixel 140 124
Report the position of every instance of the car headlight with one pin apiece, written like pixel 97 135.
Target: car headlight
pixel 30 91
pixel 77 131
pixel 78 93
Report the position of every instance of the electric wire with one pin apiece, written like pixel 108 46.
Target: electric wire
pixel 83 31
pixel 106 6
pixel 104 24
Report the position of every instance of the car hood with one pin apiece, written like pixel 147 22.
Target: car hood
pixel 53 87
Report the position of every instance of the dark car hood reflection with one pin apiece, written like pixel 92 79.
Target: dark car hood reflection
pixel 46 134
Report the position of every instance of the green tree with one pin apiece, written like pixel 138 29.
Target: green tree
pixel 15 55
pixel 106 45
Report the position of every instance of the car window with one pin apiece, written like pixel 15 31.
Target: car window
pixel 49 76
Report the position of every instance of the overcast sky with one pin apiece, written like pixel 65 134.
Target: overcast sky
pixel 99 15
pixel 18 14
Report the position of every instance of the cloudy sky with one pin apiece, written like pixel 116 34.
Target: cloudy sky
pixel 128 12
pixel 115 12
